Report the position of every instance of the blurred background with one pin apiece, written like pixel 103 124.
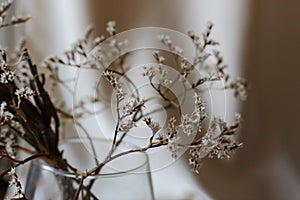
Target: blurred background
pixel 259 40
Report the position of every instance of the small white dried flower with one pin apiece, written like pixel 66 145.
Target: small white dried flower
pixel 111 77
pixel 154 126
pixel 2 106
pixel 237 118
pixel 195 159
pixel 199 111
pixel 217 126
pixel 5 5
pixel 163 80
pixel 172 128
pixel 166 82
pixel 7 76
pixel 173 147
pixel 12 172
pixel 165 39
pixel 172 137
pixel 14 181
pixel 178 50
pixel 111 27
pixel 24 92
pixel 98 40
pixel 218 142
pixel 96 55
pixel 122 43
pixel 187 125
pixel 8 147
pixel 8 140
pixel 240 88
pixel 120 93
pixel 159 59
pixel 131 106
pixel 125 126
pixel 184 64
pixel 149 72
pixel 5 115
pixel 113 80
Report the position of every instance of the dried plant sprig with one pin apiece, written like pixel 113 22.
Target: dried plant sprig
pixel 218 142
pixel 29 112
pixel 14 181
pixel 4 7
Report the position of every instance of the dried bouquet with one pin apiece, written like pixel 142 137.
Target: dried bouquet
pixel 31 121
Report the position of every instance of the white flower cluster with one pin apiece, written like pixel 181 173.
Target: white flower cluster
pixel 163 80
pixel 166 40
pixel 111 27
pixel 187 124
pixel 9 148
pixel 199 111
pixel 14 181
pixel 114 82
pixel 5 115
pixel 191 123
pixel 195 159
pixel 126 125
pixel 218 142
pixel 159 59
pixel 172 137
pixel 118 44
pixel 24 92
pixel 7 76
pixel 127 111
pixel 8 140
pixel 154 126
pixel 4 5
pixel 152 71
pixel 149 72
pixel 239 86
pixel 131 106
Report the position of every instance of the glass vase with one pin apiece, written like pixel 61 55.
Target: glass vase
pixel 126 177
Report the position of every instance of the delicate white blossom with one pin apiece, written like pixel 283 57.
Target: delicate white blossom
pixel 178 50
pixel 240 88
pixel 12 171
pixel 159 59
pixel 114 81
pixel 125 126
pixel 172 137
pixel 14 181
pixel 5 115
pixel 154 126
pixel 24 92
pixel 217 142
pixel 187 124
pixel 131 106
pixel 149 72
pixel 111 27
pixel 165 39
pixel 7 76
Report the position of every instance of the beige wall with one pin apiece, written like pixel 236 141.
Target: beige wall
pixel 268 166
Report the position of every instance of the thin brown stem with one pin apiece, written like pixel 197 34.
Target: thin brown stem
pixel 79 187
pixel 22 162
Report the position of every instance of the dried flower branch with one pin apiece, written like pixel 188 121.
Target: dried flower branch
pixel 14 20
pixel 28 113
